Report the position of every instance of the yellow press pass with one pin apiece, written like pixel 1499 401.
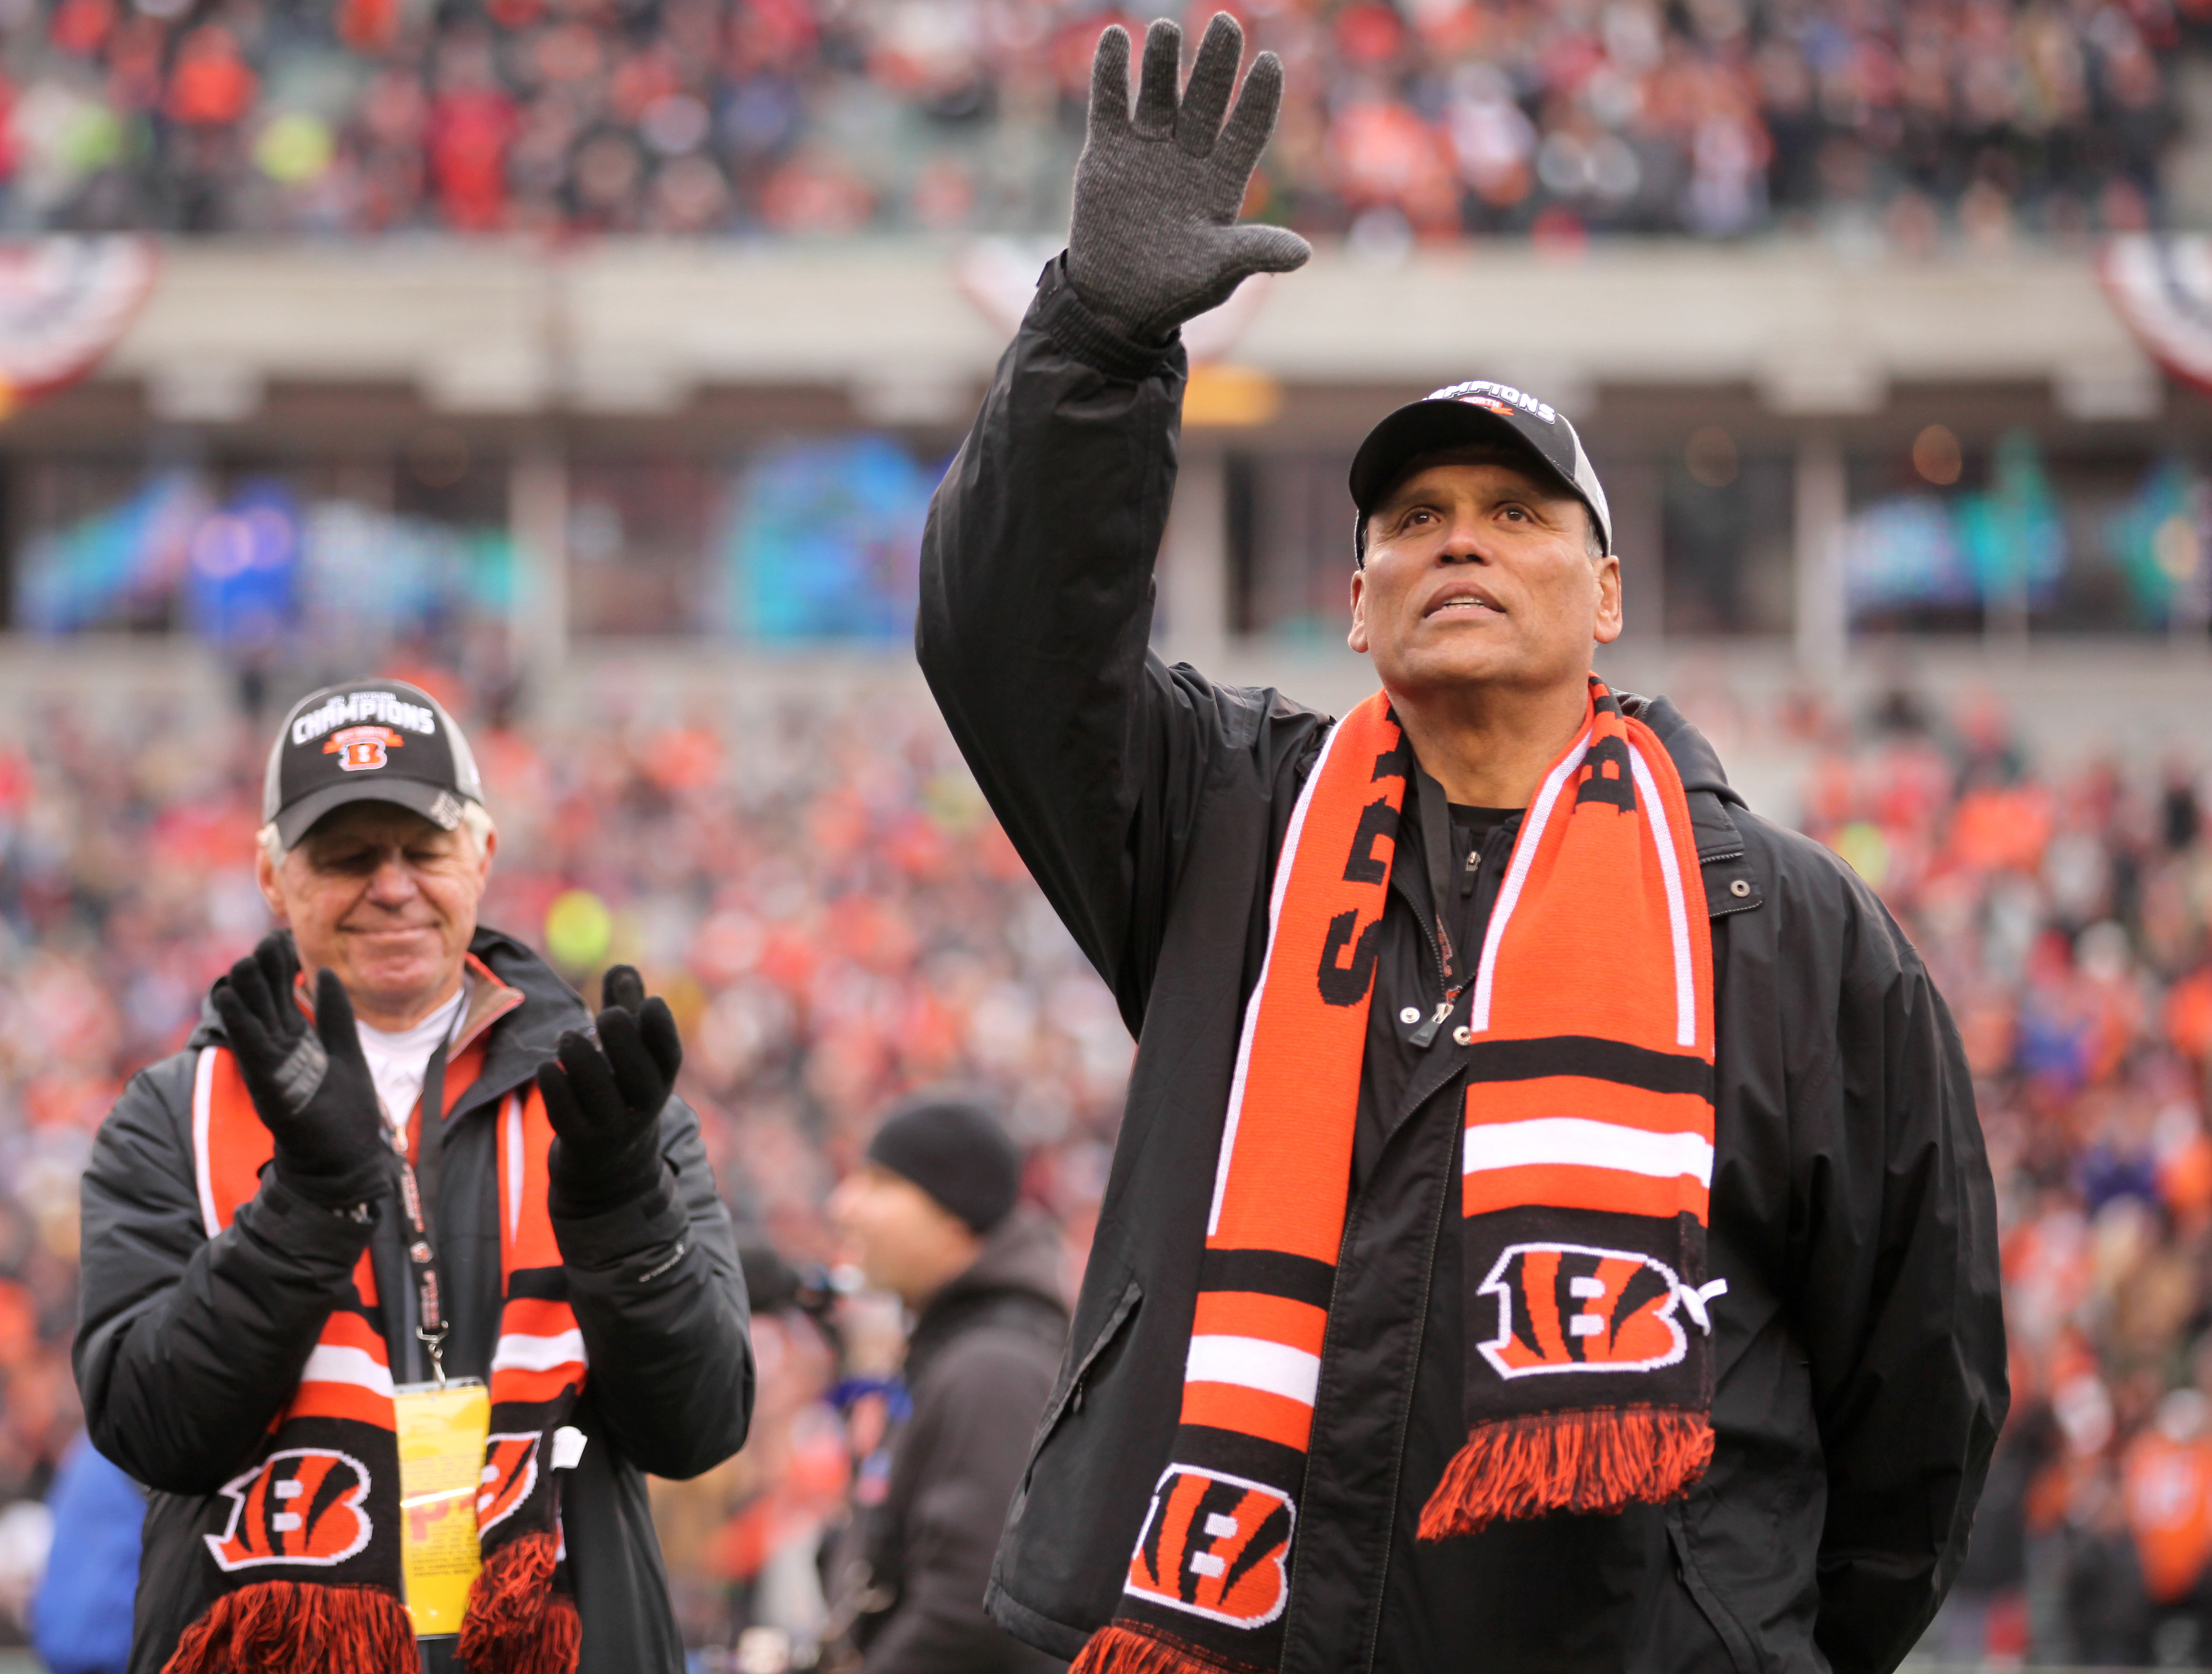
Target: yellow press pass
pixel 441 1461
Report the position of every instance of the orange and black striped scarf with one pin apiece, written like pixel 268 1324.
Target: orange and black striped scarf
pixel 1586 1158
pixel 304 1544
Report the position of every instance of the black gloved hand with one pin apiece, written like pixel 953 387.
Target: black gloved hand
pixel 604 1099
pixel 1155 240
pixel 310 1083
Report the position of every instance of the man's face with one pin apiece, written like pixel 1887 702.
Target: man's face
pixel 384 898
pixel 1479 573
pixel 901 1237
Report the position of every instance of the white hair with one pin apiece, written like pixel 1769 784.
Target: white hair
pixel 475 820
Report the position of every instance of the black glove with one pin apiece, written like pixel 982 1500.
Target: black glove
pixel 1155 240
pixel 604 1099
pixel 310 1084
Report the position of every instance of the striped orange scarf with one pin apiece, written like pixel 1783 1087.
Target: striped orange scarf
pixel 304 1544
pixel 1586 1157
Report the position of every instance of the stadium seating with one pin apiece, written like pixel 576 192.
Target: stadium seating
pixel 803 118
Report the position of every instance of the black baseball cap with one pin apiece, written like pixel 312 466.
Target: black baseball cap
pixel 1460 415
pixel 367 741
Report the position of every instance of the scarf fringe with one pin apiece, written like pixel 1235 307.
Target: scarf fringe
pixel 299 1627
pixel 1120 1649
pixel 516 1623
pixel 1588 1462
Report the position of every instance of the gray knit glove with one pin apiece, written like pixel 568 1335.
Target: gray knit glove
pixel 1155 240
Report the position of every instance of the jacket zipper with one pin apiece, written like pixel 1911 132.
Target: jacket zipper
pixel 1405 1422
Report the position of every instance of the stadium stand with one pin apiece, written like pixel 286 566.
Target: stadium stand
pixel 1715 119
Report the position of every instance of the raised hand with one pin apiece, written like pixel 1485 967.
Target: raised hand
pixel 1154 238
pixel 622 986
pixel 309 1081
pixel 605 1097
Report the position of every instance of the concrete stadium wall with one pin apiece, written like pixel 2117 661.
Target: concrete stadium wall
pixel 639 327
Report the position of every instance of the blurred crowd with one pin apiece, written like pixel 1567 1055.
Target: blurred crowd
pixel 1417 119
pixel 817 888
pixel 2065 918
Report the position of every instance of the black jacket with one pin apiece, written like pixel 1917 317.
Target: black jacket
pixel 188 1346
pixel 1860 1353
pixel 979 1369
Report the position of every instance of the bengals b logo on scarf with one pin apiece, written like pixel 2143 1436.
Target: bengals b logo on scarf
pixel 1565 1308
pixel 301 1505
pixel 1217 1546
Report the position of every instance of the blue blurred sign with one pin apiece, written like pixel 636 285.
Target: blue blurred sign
pixel 238 587
pixel 824 543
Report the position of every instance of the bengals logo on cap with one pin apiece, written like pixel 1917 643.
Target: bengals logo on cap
pixel 1485 401
pixel 299 1505
pixel 360 748
pixel 1566 1307
pixel 1215 1545
pixel 510 1472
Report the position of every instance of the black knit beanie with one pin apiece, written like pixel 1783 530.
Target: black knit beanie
pixel 957 1153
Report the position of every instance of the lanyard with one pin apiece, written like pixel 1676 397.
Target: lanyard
pixel 418 1184
pixel 1437 850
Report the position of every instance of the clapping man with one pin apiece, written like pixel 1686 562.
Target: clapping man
pixel 401 1275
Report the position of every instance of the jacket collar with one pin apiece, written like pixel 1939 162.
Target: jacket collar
pixel 1705 781
pixel 489 1000
pixel 1731 886
pixel 1705 786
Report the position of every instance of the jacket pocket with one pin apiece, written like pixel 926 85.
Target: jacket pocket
pixel 1069 1400
pixel 1743 1655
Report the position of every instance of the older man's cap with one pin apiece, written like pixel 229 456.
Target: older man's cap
pixel 1469 415
pixel 956 1151
pixel 367 741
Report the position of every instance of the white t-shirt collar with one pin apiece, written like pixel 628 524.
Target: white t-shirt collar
pixel 399 1059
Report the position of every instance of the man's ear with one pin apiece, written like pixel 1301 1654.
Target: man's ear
pixel 1606 628
pixel 264 874
pixel 1357 639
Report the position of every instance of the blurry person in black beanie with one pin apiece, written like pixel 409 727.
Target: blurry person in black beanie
pixel 932 1216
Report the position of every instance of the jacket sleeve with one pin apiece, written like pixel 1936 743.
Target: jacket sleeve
pixel 1036 617
pixel 187 1345
pixel 968 1450
pixel 659 1297
pixel 1894 1220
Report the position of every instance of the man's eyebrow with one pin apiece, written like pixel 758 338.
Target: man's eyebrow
pixel 1404 499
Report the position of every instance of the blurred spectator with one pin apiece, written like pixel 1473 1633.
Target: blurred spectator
pixel 1991 119
pixel 80 1615
pixel 2166 1475
pixel 932 1215
pixel 2067 916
